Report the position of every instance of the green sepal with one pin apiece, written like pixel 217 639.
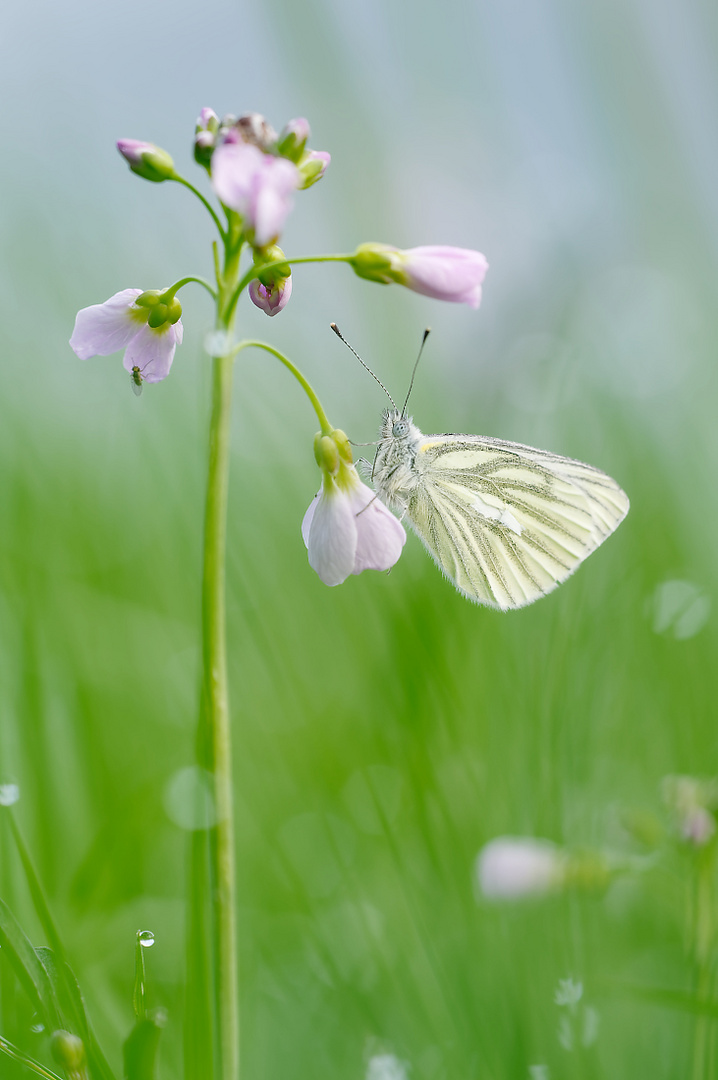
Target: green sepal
pixel 277 274
pixel 157 316
pixel 326 453
pixel 374 262
pixel 174 311
pixel 148 298
pixel 155 165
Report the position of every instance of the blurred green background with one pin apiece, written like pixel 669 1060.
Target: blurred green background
pixel 385 730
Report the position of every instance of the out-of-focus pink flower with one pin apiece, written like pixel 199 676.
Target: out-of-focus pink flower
pixel 122 323
pixel 147 160
pixel 313 165
pixel 512 867
pixel 270 298
pixel 347 529
pixel 258 186
pixel 444 273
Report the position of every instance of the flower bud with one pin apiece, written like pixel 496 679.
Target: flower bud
pixel 207 121
pixel 445 273
pixel 69 1052
pixel 204 136
pixel 147 160
pixel 293 139
pixel 313 166
pixel 271 299
pixel 271 289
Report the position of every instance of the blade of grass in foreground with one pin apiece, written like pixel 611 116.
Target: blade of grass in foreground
pixel 28 1062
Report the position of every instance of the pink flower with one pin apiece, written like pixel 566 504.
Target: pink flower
pixel 347 529
pixel 257 185
pixel 270 298
pixel 122 323
pixel 444 273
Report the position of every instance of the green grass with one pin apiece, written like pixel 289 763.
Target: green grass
pixel 384 731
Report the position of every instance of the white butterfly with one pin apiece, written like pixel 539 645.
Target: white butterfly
pixel 506 523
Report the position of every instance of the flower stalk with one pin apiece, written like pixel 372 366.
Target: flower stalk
pixel 215 720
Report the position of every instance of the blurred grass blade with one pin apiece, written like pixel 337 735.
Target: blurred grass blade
pixel 140 1049
pixel 38 897
pixel 28 967
pixel 28 1062
pixel 672 999
pixel 65 985
pixel 200 1059
pixel 73 1012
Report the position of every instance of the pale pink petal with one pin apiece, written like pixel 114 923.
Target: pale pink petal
pixel 234 166
pixel 332 539
pixel 272 198
pixel 308 518
pixel 445 273
pixel 104 328
pixel 380 535
pixel 152 351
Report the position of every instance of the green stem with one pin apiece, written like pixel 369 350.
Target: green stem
pixel 181 180
pixel 254 271
pixel 169 293
pixel 214 732
pixel 326 427
pixel 28 1062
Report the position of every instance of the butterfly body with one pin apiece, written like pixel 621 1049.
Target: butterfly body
pixel 505 522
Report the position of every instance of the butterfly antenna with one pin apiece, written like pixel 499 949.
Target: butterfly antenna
pixel 337 331
pixel 411 384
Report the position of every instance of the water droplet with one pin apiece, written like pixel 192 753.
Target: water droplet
pixel 36 1025
pixel 146 938
pixel 9 794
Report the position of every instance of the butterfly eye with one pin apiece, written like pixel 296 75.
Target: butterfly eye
pixel 400 428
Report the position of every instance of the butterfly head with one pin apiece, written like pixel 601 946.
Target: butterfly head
pixel 396 426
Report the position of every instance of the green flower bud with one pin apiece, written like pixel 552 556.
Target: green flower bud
pixel 147 160
pixel 158 315
pixel 69 1052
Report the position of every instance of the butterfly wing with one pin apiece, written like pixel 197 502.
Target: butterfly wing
pixel 505 522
